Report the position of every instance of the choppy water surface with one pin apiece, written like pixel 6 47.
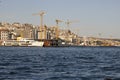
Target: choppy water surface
pixel 64 63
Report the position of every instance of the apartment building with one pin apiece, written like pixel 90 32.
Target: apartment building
pixel 4 33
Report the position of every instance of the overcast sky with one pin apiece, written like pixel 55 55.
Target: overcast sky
pixel 99 18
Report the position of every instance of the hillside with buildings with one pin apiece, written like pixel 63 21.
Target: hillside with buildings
pixel 15 32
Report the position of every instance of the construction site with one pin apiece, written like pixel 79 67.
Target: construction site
pixel 17 34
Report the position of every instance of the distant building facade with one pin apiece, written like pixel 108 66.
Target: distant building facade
pixel 4 33
pixel 42 33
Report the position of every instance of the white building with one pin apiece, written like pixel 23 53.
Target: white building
pixel 4 33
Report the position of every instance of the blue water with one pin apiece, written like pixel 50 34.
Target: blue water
pixel 62 63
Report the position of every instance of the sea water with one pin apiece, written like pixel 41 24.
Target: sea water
pixel 59 63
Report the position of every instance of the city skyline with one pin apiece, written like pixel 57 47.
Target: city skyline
pixel 99 18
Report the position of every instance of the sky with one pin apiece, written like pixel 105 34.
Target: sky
pixel 96 18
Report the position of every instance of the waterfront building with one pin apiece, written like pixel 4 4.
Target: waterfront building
pixel 27 31
pixel 4 33
pixel 42 33
pixel 48 34
pixel 22 30
pixel 53 32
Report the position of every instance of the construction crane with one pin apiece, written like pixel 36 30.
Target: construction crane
pixel 68 25
pixel 41 17
pixel 41 24
pixel 57 27
pixel 69 22
pixel 57 22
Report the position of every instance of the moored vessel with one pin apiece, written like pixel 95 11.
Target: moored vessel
pixel 37 43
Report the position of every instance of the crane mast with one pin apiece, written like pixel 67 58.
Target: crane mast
pixel 69 22
pixel 57 27
pixel 41 17
pixel 42 31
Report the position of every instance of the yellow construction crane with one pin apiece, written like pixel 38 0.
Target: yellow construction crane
pixel 69 22
pixel 41 33
pixel 68 25
pixel 57 22
pixel 41 17
pixel 57 27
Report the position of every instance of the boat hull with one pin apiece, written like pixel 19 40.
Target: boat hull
pixel 37 43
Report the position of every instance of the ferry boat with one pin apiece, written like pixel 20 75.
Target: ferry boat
pixel 23 42
pixel 37 43
pixel 33 42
